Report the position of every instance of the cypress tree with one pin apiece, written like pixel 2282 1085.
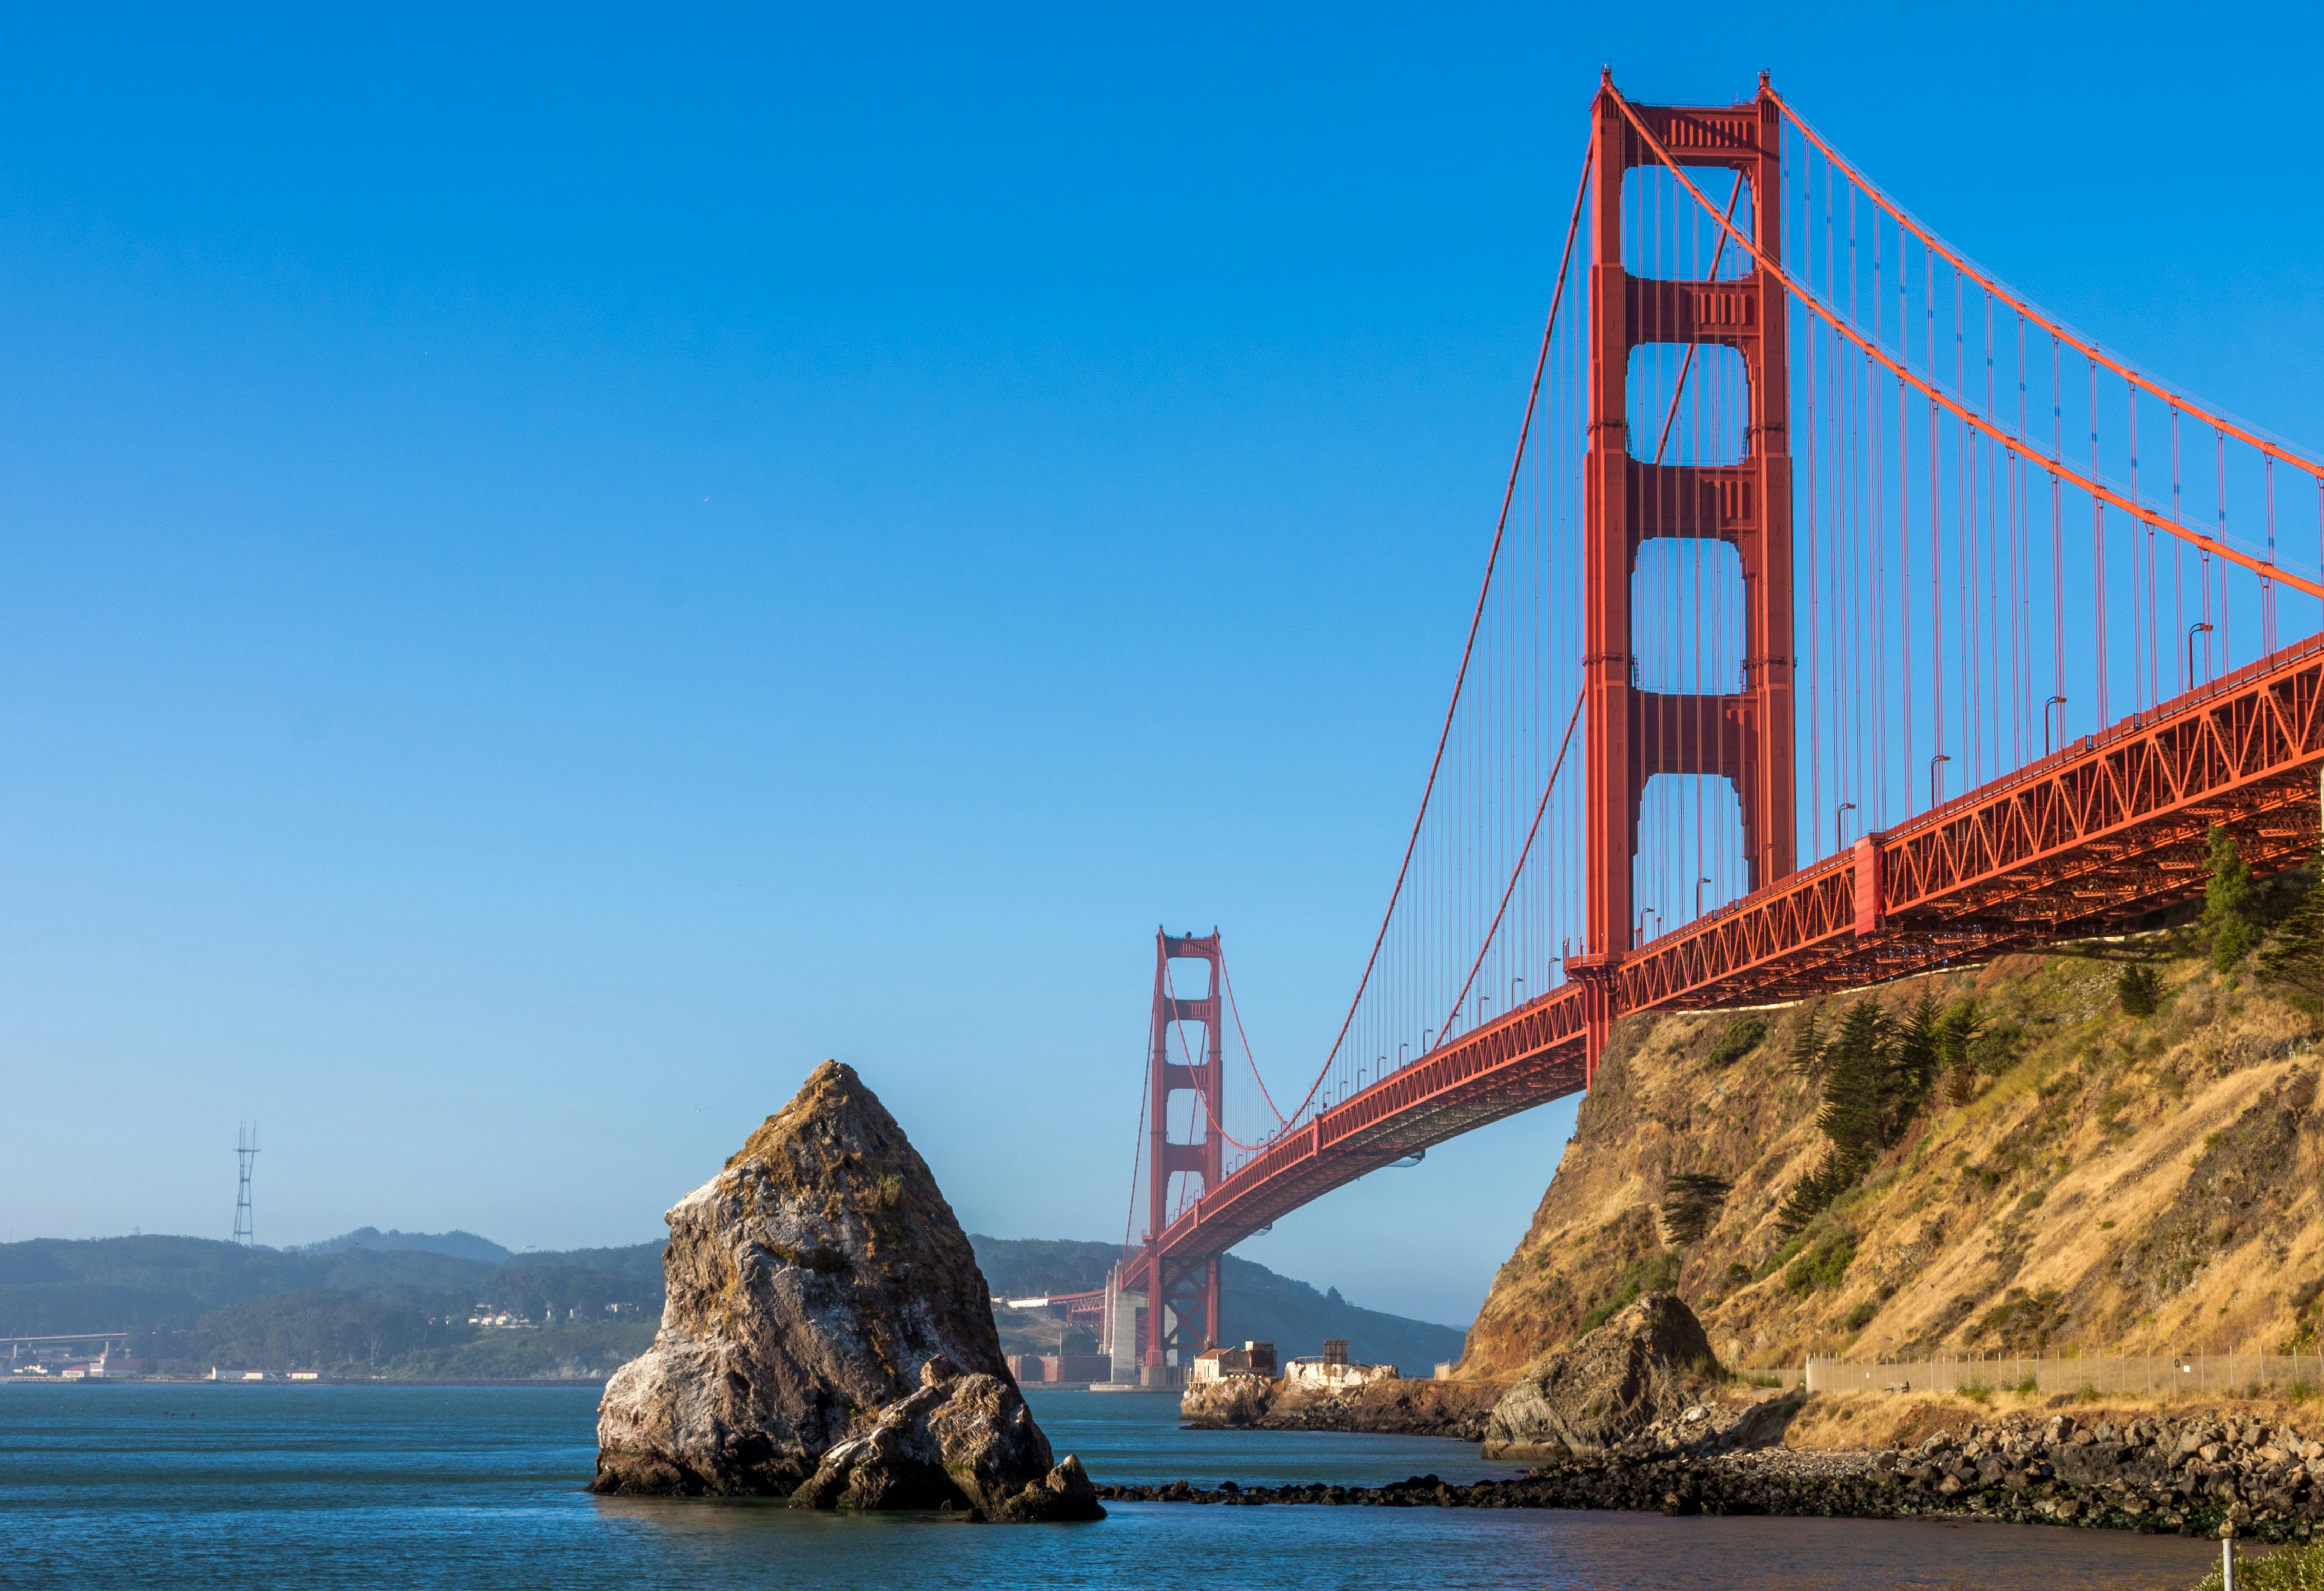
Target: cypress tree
pixel 1807 1044
pixel 1857 1089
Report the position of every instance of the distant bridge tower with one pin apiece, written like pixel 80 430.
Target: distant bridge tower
pixel 1744 736
pixel 1182 1309
pixel 245 1150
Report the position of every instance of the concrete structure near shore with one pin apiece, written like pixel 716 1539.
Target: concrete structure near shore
pixel 1324 1375
pixel 1060 1369
pixel 1253 1358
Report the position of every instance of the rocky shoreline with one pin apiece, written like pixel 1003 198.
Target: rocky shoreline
pixel 2189 1475
pixel 1391 1407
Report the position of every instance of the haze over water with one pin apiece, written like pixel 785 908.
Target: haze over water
pixel 197 1487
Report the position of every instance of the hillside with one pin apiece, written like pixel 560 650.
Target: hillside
pixel 460 1246
pixel 2027 1166
pixel 1254 1303
pixel 376 1303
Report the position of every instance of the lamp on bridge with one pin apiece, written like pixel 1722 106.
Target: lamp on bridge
pixel 1698 895
pixel 2058 702
pixel 2200 628
pixel 1939 757
pixel 1845 808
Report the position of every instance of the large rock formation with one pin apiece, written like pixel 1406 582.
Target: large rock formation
pixel 828 1336
pixel 1649 1363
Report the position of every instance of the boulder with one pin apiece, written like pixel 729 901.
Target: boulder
pixel 1649 1363
pixel 825 1309
pixel 961 1441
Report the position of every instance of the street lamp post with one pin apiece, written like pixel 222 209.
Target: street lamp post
pixel 2200 628
pixel 1939 757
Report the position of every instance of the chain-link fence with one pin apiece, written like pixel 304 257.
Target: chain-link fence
pixel 2235 1372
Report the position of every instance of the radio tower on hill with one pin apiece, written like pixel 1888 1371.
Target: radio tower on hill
pixel 246 1149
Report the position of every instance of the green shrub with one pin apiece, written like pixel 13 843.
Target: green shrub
pixel 1822 1266
pixel 2139 990
pixel 1743 1035
pixel 1654 1272
pixel 1861 1315
pixel 2286 1568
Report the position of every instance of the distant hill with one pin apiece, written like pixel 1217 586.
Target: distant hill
pixel 460 1246
pixel 397 1303
pixel 371 1303
pixel 1254 1303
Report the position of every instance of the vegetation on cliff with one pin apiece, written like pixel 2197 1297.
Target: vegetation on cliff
pixel 2115 1143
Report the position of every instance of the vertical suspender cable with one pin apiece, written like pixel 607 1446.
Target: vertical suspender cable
pixel 2098 553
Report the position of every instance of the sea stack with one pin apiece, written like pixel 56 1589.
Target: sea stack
pixel 828 1337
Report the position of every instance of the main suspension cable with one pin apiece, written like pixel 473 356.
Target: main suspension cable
pixel 2080 345
pixel 1907 376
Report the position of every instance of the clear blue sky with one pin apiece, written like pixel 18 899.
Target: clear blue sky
pixel 560 567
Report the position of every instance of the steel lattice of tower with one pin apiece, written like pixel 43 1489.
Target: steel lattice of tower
pixel 246 1149
pixel 1633 734
pixel 1179 1296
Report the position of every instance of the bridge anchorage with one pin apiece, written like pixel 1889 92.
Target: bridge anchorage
pixel 1804 503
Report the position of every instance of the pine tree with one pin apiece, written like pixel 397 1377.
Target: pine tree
pixel 2228 900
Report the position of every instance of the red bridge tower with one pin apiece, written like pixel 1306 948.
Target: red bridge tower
pixel 1183 1300
pixel 1634 735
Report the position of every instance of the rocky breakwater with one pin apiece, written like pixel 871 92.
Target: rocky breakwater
pixel 2194 1473
pixel 827 1338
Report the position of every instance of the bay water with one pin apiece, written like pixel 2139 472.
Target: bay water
pixel 204 1487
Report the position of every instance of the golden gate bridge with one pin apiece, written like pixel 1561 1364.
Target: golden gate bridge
pixel 1804 503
